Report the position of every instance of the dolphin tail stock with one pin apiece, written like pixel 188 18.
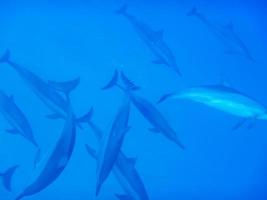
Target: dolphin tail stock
pixel 98 188
pixel 7 177
pixel 177 142
pixel 122 10
pixel 19 197
pixel 130 85
pixel 5 57
pixel 123 197
pixel 192 12
pixel 165 97
pixel 66 87
pixel 91 151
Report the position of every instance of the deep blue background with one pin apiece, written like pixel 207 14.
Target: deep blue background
pixel 61 41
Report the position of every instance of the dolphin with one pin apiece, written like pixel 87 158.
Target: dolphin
pixel 153 39
pixel 111 144
pixel 51 167
pixel 124 168
pixel 146 108
pixel 16 118
pixel 18 121
pixel 223 98
pixel 7 175
pixel 48 91
pixel 226 34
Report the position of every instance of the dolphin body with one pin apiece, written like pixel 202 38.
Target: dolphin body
pixel 223 98
pixel 16 118
pixel 111 144
pixel 48 92
pixel 153 39
pixel 147 109
pixel 124 168
pixel 52 167
pixel 226 34
pixel 7 175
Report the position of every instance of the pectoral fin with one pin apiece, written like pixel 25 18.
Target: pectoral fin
pixel 239 124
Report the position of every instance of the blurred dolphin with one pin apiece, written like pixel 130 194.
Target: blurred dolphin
pixel 111 144
pixel 147 109
pixel 226 34
pixel 48 92
pixel 124 167
pixel 50 168
pixel 17 120
pixel 153 39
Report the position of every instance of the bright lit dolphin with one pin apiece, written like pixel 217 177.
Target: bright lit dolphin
pixel 50 168
pixel 223 98
pixel 46 91
pixel 226 34
pixel 111 144
pixel 124 168
pixel 147 109
pixel 153 39
pixel 7 176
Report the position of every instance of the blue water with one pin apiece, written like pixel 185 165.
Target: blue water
pixel 63 40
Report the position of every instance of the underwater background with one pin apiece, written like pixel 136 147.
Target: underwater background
pixel 62 40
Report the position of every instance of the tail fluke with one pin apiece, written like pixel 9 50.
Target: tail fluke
pixel 65 87
pixel 5 57
pixel 165 97
pixel 192 12
pixel 130 85
pixel 113 82
pixel 7 177
pixel 87 117
pixel 122 10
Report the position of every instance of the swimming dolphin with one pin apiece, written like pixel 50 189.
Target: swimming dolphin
pixel 18 121
pixel 124 168
pixel 7 175
pixel 153 39
pixel 111 144
pixel 48 92
pixel 223 98
pixel 147 109
pixel 16 118
pixel 226 34
pixel 51 168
